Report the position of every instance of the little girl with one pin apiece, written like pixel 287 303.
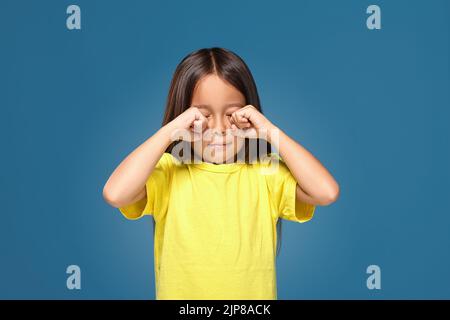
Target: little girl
pixel 213 185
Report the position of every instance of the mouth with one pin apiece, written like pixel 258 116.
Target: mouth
pixel 219 145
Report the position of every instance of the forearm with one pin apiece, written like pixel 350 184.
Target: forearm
pixel 311 176
pixel 128 180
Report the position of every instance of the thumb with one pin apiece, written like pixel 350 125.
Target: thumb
pixel 198 126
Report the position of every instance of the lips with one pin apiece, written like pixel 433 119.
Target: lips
pixel 220 142
pixel 218 145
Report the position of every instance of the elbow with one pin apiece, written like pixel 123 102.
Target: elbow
pixel 331 196
pixel 111 197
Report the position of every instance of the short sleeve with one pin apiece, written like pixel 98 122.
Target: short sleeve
pixel 282 191
pixel 157 188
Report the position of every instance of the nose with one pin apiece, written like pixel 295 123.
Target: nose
pixel 220 124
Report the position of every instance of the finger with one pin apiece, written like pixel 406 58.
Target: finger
pixel 242 119
pixel 248 107
pixel 197 130
pixel 245 125
pixel 245 114
pixel 233 117
pixel 240 125
pixel 198 126
pixel 250 133
pixel 199 116
pixel 239 114
pixel 235 120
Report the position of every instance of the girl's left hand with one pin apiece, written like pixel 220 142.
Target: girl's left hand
pixel 248 122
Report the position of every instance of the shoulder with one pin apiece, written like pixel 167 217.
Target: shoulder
pixel 168 160
pixel 170 164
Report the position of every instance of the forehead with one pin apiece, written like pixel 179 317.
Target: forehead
pixel 212 90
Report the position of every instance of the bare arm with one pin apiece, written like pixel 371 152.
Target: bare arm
pixel 126 185
pixel 315 185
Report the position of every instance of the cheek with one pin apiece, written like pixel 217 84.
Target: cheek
pixel 238 143
pixel 197 147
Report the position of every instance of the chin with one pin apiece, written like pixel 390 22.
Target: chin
pixel 218 158
pixel 219 154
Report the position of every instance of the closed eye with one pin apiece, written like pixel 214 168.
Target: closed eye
pixel 207 115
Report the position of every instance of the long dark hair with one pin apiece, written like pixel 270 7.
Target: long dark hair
pixel 229 67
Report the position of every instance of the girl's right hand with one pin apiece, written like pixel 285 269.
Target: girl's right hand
pixel 188 126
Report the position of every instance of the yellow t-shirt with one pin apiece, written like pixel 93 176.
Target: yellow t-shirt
pixel 215 235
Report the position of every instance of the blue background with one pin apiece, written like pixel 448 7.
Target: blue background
pixel 372 106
